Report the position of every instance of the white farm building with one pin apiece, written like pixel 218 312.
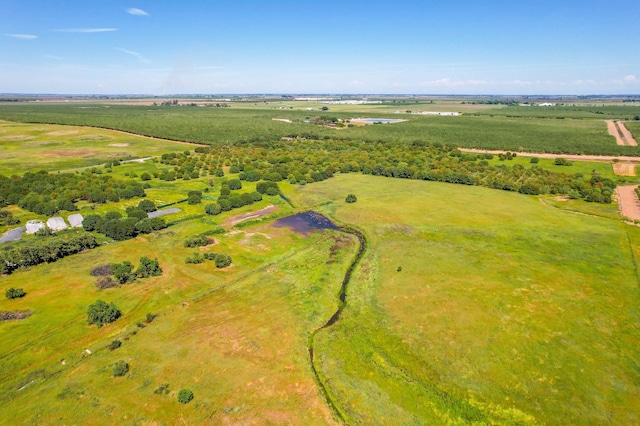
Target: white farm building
pixel 75 220
pixel 34 226
pixel 56 223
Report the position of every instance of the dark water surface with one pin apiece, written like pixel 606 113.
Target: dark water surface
pixel 304 223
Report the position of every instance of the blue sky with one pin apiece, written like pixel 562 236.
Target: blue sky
pixel 350 46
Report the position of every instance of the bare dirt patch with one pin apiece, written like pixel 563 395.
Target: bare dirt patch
pixel 18 138
pixel 253 215
pixel 119 145
pixel 628 202
pixel 74 153
pixel 63 133
pixel 624 169
pixel 618 130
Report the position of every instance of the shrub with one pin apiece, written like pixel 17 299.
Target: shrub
pixel 194 258
pixel 14 293
pixel 222 260
pixel 185 396
pixel 209 256
pixel 101 313
pixel 150 317
pixel 115 344
pixel 100 271
pixel 106 282
pixel 234 184
pixel 120 369
pixel 534 160
pixel 351 198
pixel 197 241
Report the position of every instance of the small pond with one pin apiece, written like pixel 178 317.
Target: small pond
pixel 379 120
pixel 304 223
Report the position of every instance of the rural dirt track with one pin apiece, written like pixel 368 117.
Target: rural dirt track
pixel 618 130
pixel 628 202
pixel 576 157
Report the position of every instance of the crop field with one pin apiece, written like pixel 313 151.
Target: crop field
pixel 468 305
pixel 510 128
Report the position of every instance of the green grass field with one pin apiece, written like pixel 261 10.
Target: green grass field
pixel 506 312
pixel 25 147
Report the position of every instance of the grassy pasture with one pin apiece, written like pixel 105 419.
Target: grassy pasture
pixel 250 124
pixel 25 147
pixel 236 337
pixel 506 312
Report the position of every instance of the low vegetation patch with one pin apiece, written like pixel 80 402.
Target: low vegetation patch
pixel 14 315
pixel 120 369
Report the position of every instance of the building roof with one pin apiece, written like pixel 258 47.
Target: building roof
pixel 56 223
pixel 34 226
pixel 75 220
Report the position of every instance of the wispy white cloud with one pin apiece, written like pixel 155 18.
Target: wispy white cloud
pixel 22 36
pixel 85 30
pixel 136 11
pixel 630 78
pixel 132 53
pixel 56 58
pixel 208 67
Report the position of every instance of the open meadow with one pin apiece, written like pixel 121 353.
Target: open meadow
pixel 468 305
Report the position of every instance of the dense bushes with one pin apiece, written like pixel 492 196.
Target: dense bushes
pixel 14 293
pixel 197 241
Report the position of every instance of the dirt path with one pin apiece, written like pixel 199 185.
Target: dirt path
pixel 618 130
pixel 576 157
pixel 628 202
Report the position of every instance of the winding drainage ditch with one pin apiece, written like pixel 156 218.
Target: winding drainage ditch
pixel 304 223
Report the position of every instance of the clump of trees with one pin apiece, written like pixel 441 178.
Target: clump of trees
pixel 44 251
pixel 113 225
pixel 221 260
pixel 351 198
pixel 101 313
pixel 46 194
pixel 116 274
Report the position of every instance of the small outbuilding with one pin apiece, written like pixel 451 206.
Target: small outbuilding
pixel 34 226
pixel 56 223
pixel 75 220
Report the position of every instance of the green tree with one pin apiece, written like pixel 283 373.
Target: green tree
pixel 185 396
pixel 120 369
pixel 101 313
pixel 351 198
pixel 122 272
pixel 147 206
pixel 148 268
pixel 222 260
pixel 212 209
